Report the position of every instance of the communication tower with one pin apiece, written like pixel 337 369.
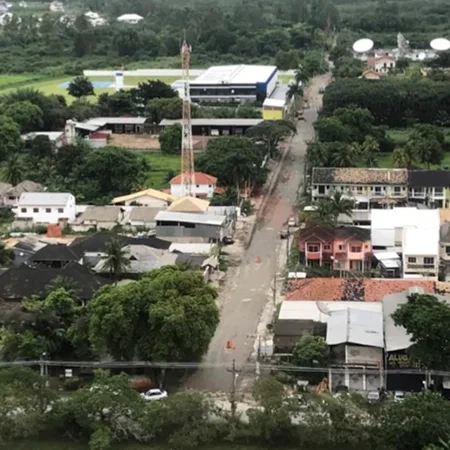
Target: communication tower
pixel 187 151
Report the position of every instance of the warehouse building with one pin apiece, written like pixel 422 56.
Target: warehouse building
pixel 215 127
pixel 234 84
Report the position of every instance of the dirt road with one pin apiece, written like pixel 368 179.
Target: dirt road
pixel 249 288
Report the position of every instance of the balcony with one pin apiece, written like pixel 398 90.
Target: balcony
pixel 417 194
pixel 415 266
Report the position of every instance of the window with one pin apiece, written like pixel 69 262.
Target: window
pixel 321 189
pixel 447 250
pixel 427 261
pixel 23 210
pixel 48 210
pixel 438 191
pixel 411 260
pixel 327 247
pixel 210 185
pixel 359 189
pixel 35 210
pixel 60 210
pixel 198 185
pixel 355 248
pixel 397 190
pixel 11 198
pixel 377 189
pixel 341 247
pixel 313 248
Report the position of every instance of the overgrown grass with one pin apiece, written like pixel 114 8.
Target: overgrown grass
pixel 160 164
pixel 385 161
pixel 13 80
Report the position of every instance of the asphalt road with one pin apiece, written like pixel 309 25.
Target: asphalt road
pixel 249 288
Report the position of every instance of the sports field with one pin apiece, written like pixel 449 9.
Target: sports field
pixel 58 86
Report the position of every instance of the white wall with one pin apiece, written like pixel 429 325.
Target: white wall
pixel 177 190
pixel 272 84
pixel 47 213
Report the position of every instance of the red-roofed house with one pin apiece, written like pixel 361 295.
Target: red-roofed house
pixel 353 289
pixel 370 74
pixel 381 64
pixel 204 187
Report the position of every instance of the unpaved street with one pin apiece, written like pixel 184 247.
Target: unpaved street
pixel 249 288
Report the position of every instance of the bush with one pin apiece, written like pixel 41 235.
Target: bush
pixel 72 384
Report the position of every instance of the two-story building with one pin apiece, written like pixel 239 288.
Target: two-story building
pixel 368 188
pixel 429 187
pixel 381 64
pixel 35 208
pixel 204 186
pixel 339 248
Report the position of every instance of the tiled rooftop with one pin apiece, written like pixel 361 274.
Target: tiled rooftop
pixel 358 175
pixel 353 289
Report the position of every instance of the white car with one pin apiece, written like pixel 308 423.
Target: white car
pixel 292 222
pixel 399 396
pixel 154 394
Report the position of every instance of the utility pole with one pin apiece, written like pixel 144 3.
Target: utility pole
pixel 235 372
pixel 275 287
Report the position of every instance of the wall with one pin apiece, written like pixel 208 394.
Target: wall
pixel 418 266
pixel 273 114
pixel 177 190
pixel 200 231
pixel 146 200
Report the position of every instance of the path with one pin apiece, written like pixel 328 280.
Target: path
pixel 248 291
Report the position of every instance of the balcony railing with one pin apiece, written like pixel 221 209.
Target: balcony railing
pixel 420 266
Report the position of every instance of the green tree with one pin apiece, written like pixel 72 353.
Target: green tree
pixel 369 151
pixel 170 139
pixel 14 173
pixel 331 129
pixel 116 104
pixel 9 137
pixel 169 315
pixel 311 351
pixel 27 115
pixel 427 320
pixel 271 132
pixel 152 89
pixel 420 420
pixel 80 87
pixel 234 160
pixel 427 143
pixel 404 157
pixel 6 255
pixel 116 260
pixel 158 109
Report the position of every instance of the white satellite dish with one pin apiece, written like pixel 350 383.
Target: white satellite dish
pixel 440 44
pixel 363 45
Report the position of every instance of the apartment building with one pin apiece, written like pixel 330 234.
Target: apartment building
pixel 338 248
pixel 429 187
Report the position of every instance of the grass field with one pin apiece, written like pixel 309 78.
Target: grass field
pixel 400 135
pixel 10 83
pixel 160 164
pixel 385 161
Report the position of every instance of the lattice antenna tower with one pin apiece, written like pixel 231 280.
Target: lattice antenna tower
pixel 187 151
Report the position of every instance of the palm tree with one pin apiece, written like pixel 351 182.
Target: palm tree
pixel 14 169
pixel 344 156
pixel 300 75
pixel 404 157
pixel 341 205
pixel 295 91
pixel 116 260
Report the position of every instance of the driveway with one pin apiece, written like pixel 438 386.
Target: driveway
pixel 248 287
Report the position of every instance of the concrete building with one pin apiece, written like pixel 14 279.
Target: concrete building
pixel 234 84
pixel 9 195
pixel 56 138
pixel 190 227
pixel 216 127
pixel 381 64
pixel 277 105
pixel 131 19
pixel 142 218
pixel 356 339
pixel 99 218
pixel 204 187
pixel 430 187
pixel 36 208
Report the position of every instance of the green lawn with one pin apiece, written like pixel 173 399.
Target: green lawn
pixel 160 164
pixel 70 445
pixel 385 161
pixel 400 135
pixel 9 83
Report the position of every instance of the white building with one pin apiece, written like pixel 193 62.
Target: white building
pixel 95 19
pixel 236 84
pixel 131 19
pixel 204 186
pixel 147 197
pixel 45 207
pixel 412 232
pixel 56 138
pixel 382 64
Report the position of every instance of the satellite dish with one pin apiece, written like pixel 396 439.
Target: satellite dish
pixel 440 44
pixel 363 45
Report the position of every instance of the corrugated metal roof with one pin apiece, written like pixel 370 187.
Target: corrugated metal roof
pixel 44 199
pixel 195 249
pixel 355 326
pixel 214 122
pixel 206 219
pixel 102 121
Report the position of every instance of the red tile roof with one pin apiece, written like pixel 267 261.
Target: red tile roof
pixel 357 289
pixel 372 60
pixel 200 178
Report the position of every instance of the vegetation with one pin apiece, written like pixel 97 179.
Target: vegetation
pixel 80 87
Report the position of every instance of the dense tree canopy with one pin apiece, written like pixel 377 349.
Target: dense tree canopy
pixel 169 315
pixel 170 139
pixel 80 87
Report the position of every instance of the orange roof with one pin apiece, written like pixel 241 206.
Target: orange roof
pixel 200 178
pixel 361 289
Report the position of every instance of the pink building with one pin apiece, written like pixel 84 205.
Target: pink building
pixel 339 248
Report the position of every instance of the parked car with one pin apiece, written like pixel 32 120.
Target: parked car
pixel 154 394
pixel 373 396
pixel 292 222
pixel 321 90
pixel 227 240
pixel 284 234
pixel 399 396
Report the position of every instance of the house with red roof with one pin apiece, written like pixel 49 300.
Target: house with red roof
pixel 381 64
pixel 204 185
